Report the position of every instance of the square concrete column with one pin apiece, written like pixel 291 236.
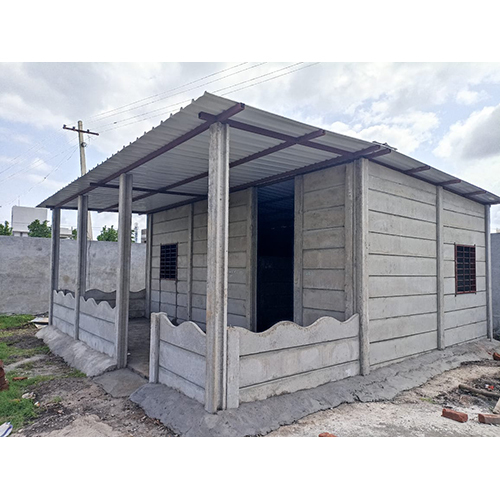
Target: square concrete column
pixel 489 296
pixel 54 258
pixel 217 257
pixel 149 248
pixel 441 339
pixel 361 297
pixel 124 257
pixel 81 262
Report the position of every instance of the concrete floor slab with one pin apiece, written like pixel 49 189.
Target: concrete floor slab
pixel 187 417
pixel 138 346
pixel 76 353
pixel 120 383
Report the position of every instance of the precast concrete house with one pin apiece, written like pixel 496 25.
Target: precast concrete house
pixel 280 256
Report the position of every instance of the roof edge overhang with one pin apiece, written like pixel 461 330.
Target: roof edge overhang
pixel 343 147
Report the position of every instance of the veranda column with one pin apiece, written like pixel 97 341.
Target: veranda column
pixel 149 247
pixel 441 340
pixel 361 257
pixel 217 256
pixel 81 262
pixel 489 297
pixel 124 256
pixel 54 258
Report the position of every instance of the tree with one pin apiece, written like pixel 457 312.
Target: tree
pixel 39 229
pixel 108 234
pixel 5 230
pixel 74 234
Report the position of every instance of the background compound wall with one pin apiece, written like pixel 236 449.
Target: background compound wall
pixel 25 271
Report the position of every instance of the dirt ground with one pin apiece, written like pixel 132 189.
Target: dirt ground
pixel 74 405
pixel 416 412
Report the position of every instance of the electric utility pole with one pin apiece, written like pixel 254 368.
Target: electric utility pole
pixel 83 163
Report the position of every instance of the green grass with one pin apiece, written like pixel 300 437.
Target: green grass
pixel 15 321
pixel 13 408
pixel 75 374
pixel 9 353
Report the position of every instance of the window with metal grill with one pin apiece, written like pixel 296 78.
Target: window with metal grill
pixel 168 262
pixel 465 269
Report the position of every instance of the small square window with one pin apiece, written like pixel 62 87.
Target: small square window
pixel 465 269
pixel 168 262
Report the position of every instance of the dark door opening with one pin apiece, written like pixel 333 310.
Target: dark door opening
pixel 275 237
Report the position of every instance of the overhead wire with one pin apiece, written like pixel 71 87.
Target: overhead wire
pixel 178 93
pixel 175 106
pixel 59 165
pixel 92 120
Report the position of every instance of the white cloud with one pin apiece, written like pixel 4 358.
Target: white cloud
pixel 405 132
pixel 475 138
pixel 469 97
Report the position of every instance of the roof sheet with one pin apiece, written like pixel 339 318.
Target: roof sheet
pixel 191 159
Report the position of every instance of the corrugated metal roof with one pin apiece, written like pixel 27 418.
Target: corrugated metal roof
pixel 190 159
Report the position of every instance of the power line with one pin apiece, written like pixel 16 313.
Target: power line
pixel 279 76
pixel 46 177
pixel 173 95
pixel 35 164
pixel 91 120
pixel 175 106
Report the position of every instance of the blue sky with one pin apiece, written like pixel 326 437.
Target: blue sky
pixel 444 114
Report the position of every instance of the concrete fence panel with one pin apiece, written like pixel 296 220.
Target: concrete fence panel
pixel 137 300
pixel 64 312
pixel 287 357
pixel 97 325
pixel 177 357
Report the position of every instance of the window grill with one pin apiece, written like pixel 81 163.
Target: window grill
pixel 168 262
pixel 465 269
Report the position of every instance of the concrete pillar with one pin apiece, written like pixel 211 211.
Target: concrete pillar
pixel 441 341
pixel 124 256
pixel 189 276
pixel 349 240
pixel 251 264
pixel 298 253
pixel 489 296
pixel 361 297
pixel 54 258
pixel 81 262
pixel 149 248
pixel 217 257
pixel 154 352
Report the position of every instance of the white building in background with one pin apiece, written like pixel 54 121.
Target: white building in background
pixel 22 217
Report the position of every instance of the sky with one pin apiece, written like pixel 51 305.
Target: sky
pixel 444 114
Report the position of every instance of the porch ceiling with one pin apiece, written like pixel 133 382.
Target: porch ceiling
pixel 264 148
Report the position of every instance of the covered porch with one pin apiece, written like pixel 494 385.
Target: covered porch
pixel 212 150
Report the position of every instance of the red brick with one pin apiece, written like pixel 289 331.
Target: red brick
pixel 326 435
pixel 486 418
pixel 496 356
pixel 455 415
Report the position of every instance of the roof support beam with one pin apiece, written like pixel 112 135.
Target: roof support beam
pixel 274 135
pixel 474 193
pixel 452 181
pixel 292 141
pixel 145 190
pixel 365 153
pixel 233 110
pixel 416 170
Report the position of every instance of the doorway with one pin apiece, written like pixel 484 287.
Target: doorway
pixel 275 242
